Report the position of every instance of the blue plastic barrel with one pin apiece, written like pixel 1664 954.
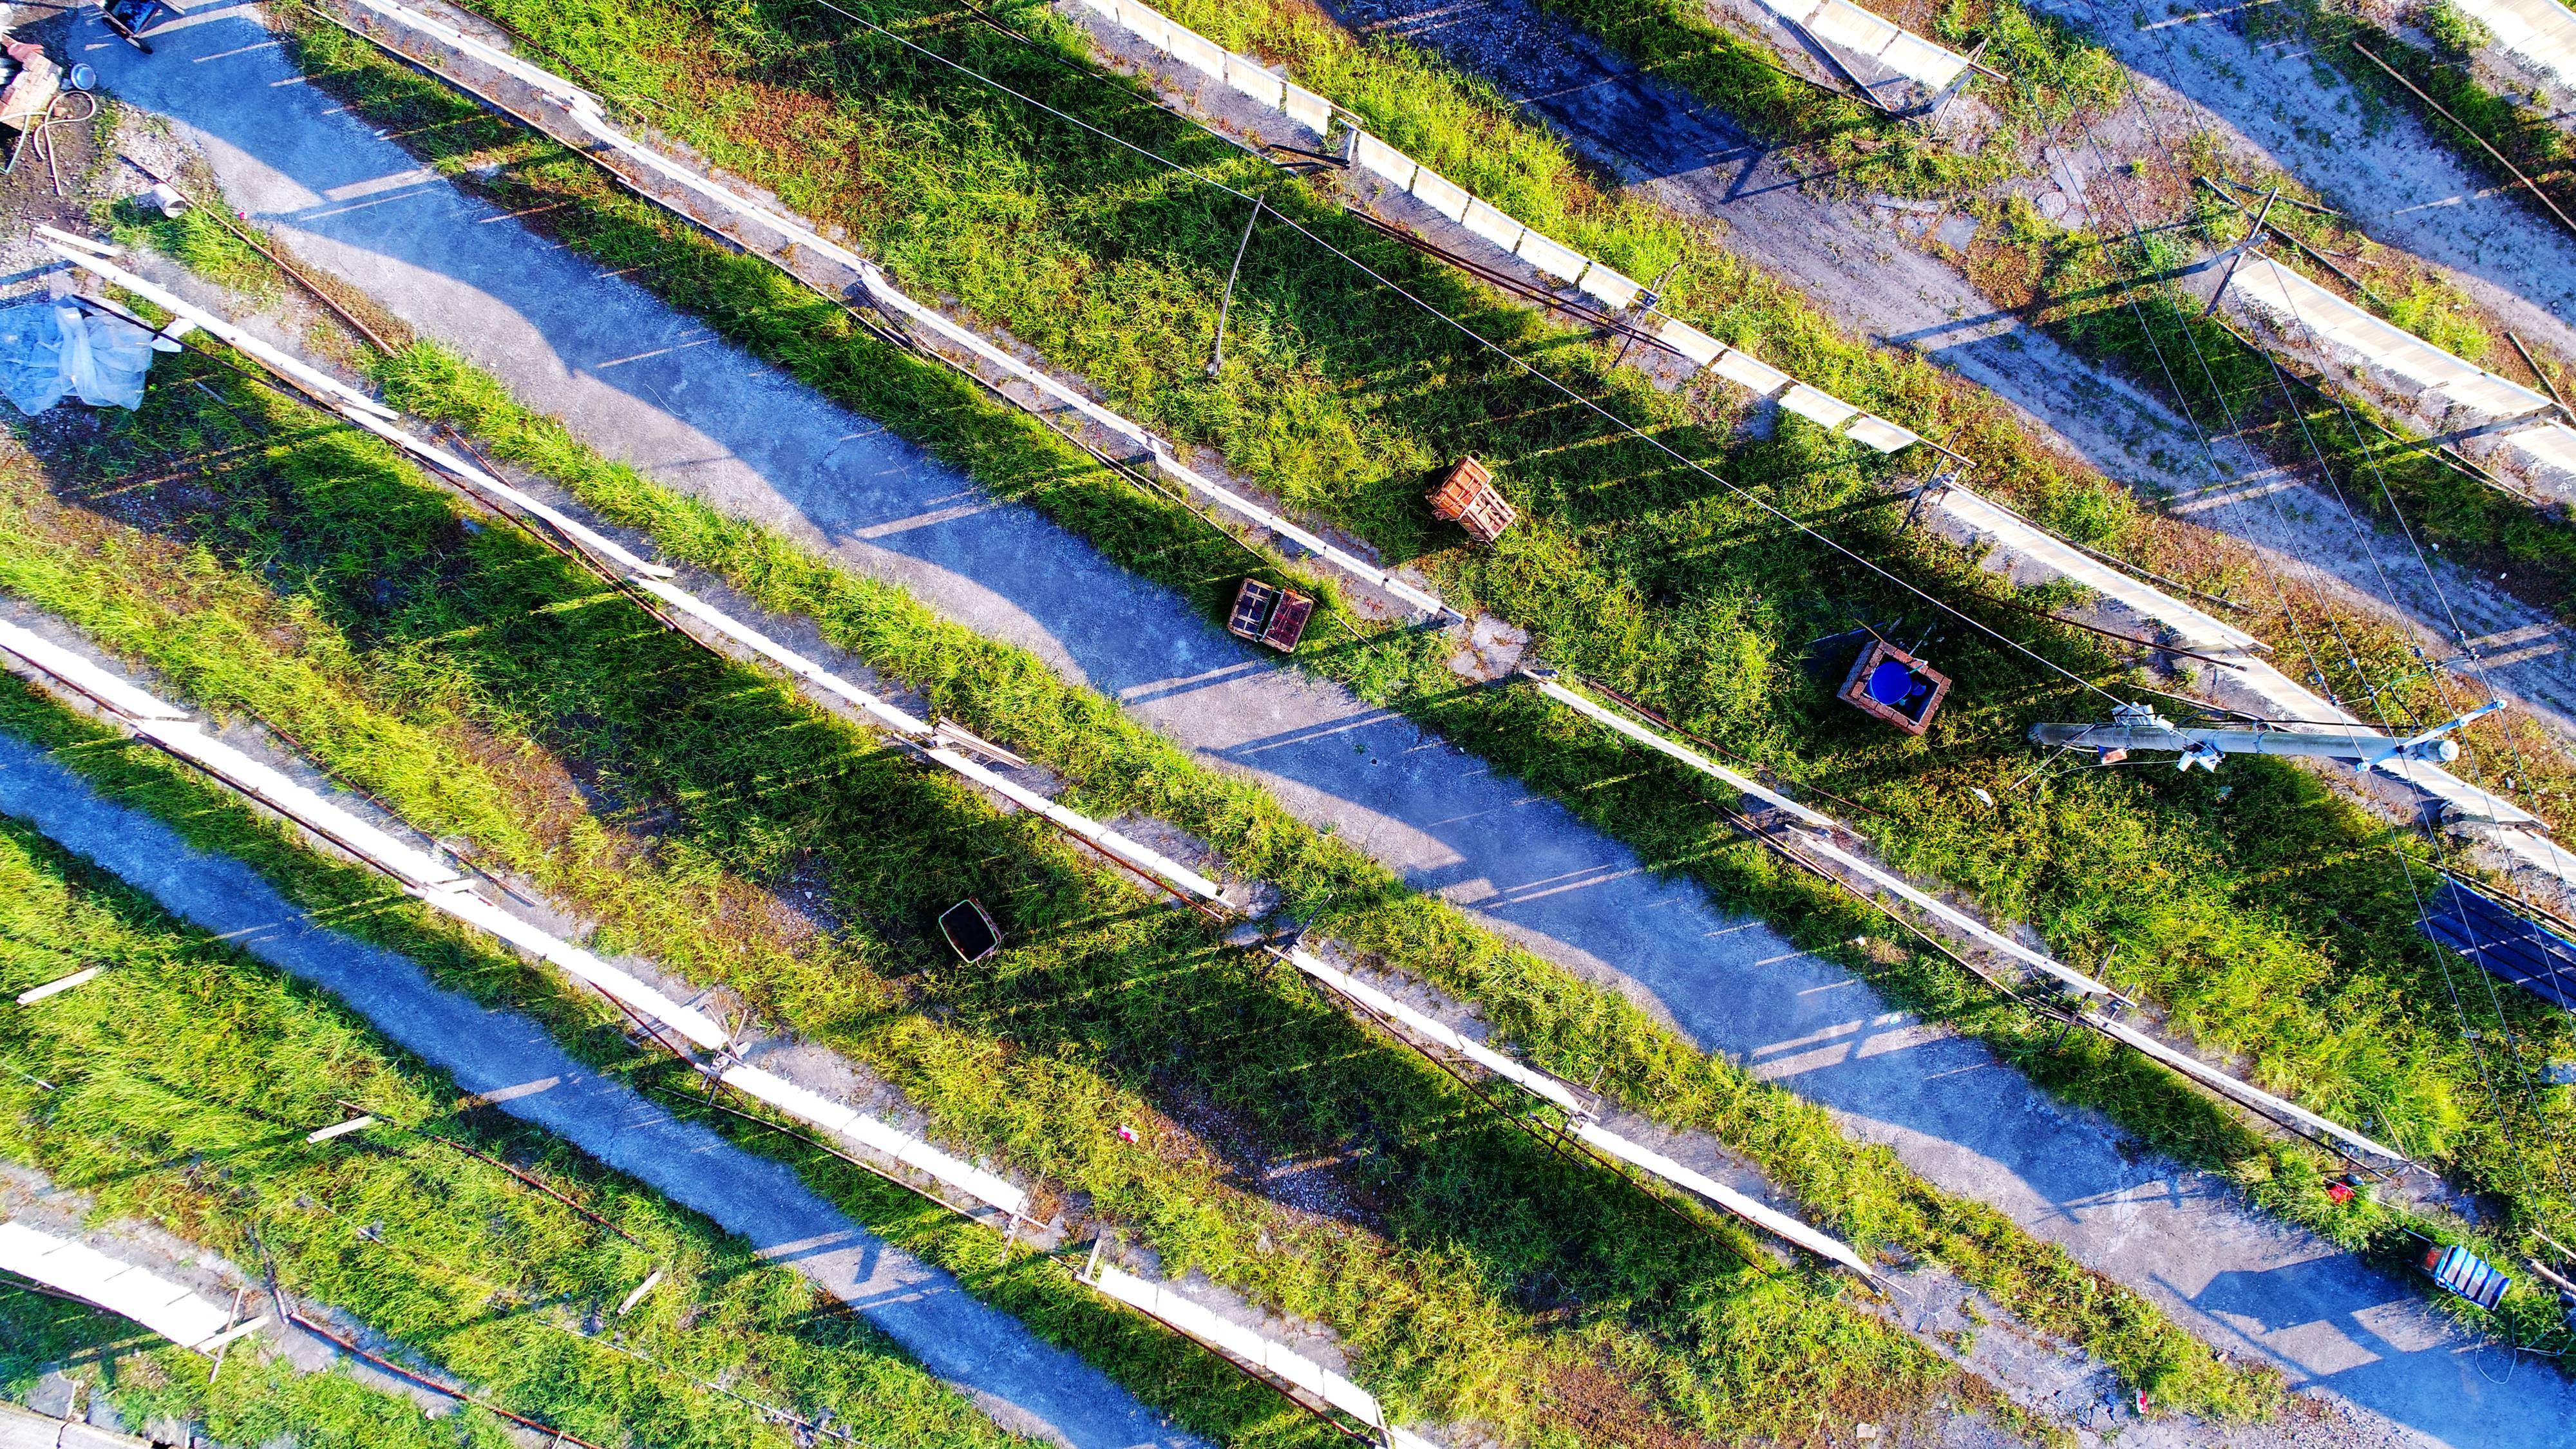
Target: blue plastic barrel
pixel 1890 683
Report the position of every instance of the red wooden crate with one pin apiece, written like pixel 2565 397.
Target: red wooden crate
pixel 1288 621
pixel 1468 498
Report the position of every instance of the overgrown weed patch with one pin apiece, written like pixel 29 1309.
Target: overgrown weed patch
pixel 470 678
pixel 2094 859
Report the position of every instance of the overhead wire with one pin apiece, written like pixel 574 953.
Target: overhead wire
pixel 2138 243
pixel 2458 632
pixel 2361 534
pixel 2352 655
pixel 1582 401
pixel 1569 393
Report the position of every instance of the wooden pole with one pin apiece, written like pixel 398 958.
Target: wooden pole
pixel 2516 171
pixel 2540 372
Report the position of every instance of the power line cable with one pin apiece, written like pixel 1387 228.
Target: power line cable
pixel 2352 657
pixel 1586 403
pixel 2138 242
pixel 2362 535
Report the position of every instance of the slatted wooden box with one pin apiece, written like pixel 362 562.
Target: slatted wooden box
pixel 1468 498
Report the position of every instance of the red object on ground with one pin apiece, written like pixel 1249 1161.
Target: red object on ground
pixel 2340 1191
pixel 1467 497
pixel 1276 617
pixel 1288 621
pixel 1126 1134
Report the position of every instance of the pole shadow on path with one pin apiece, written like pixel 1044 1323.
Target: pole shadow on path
pixel 653 388
pixel 1026 1384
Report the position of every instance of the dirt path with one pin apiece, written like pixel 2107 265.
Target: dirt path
pixel 654 388
pixel 2404 185
pixel 1021 1381
pixel 1858 261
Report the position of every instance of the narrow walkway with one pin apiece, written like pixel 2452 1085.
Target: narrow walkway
pixel 1859 261
pixel 1024 1383
pixel 651 387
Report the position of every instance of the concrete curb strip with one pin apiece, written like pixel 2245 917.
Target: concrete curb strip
pixel 455 898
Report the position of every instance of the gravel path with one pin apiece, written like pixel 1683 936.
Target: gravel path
pixel 649 386
pixel 1858 260
pixel 1022 1382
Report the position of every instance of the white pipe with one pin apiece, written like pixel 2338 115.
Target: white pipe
pixel 1775 1221
pixel 446 891
pixel 1151 861
pixel 2202 1071
pixel 1438 1031
pixel 1582 705
pixel 584 111
pixel 1241 1343
pixel 645 575
pixel 1823 845
pixel 1583 1126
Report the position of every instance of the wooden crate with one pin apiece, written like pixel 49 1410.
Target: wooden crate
pixel 1468 498
pixel 1893 685
pixel 1288 621
pixel 1252 605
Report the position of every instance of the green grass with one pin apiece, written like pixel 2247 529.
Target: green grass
pixel 2216 901
pixel 250 1402
pixel 1579 1031
pixel 2258 890
pixel 491 694
pixel 2060 278
pixel 186 1077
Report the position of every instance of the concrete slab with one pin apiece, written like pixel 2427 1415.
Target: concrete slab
pixel 647 385
pixel 1025 1384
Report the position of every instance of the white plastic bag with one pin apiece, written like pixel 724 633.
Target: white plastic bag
pixel 53 350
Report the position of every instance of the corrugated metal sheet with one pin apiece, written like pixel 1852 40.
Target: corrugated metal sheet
pixel 1246 76
pixel 2541 31
pixel 1848 26
pixel 1552 257
pixel 1493 225
pixel 1440 193
pixel 2504 943
pixel 168 1309
pixel 1610 286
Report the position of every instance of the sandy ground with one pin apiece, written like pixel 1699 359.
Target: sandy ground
pixel 646 385
pixel 2406 187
